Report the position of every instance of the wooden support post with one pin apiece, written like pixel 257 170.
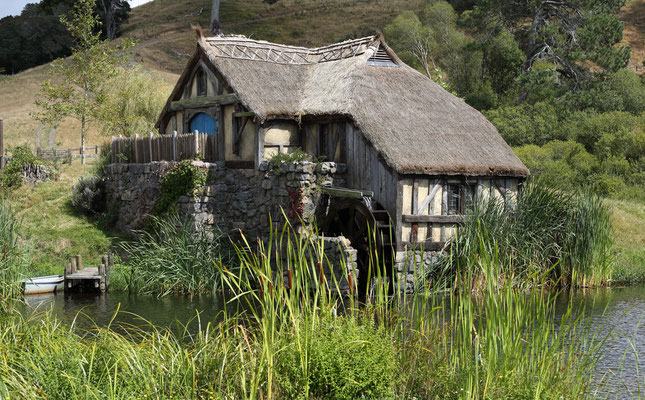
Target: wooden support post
pixel 79 262
pixel 72 262
pixel 174 145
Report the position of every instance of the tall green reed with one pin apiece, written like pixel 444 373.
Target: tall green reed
pixel 14 253
pixel 296 337
pixel 175 256
pixel 569 234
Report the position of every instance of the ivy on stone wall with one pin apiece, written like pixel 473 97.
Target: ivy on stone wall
pixel 181 180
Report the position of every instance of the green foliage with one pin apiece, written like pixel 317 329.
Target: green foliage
pixel 13 253
pixel 81 90
pixel 297 155
pixel 482 99
pixel 132 102
pixel 502 61
pixel 346 359
pixel 570 36
pixel 20 157
pixel 88 195
pixel 526 124
pixel 176 256
pixel 181 180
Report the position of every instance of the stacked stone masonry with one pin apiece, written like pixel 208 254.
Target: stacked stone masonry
pixel 246 200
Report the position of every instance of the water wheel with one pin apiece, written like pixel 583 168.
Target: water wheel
pixel 368 227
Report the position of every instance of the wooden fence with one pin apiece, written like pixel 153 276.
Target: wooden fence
pixel 164 148
pixel 67 154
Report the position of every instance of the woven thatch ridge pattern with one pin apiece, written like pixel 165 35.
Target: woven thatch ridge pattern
pixel 415 125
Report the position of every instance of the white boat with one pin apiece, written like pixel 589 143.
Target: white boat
pixel 43 284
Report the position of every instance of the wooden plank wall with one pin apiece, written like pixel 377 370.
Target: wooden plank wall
pixel 164 148
pixel 366 171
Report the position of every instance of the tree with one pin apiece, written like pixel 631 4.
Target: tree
pixel 215 26
pixel 132 102
pixel 80 91
pixel 412 40
pixel 565 34
pixel 113 13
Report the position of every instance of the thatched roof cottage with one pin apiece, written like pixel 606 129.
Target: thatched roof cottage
pixel 421 153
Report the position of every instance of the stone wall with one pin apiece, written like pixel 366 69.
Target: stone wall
pixel 232 199
pixel 410 266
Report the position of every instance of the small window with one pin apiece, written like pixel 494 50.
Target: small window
pixel 453 199
pixel 381 59
pixel 471 193
pixel 201 83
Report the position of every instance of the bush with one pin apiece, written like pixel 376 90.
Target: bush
pixel 11 174
pixel 527 124
pixel 88 195
pixel 181 180
pixel 346 359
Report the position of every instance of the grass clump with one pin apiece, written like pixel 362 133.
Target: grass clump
pixel 568 234
pixel 294 338
pixel 175 256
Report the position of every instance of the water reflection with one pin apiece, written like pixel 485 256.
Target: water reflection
pixel 617 312
pixel 87 311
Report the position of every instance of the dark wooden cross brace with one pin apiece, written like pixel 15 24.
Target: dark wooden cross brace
pixel 238 128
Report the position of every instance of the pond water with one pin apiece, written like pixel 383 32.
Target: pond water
pixel 618 312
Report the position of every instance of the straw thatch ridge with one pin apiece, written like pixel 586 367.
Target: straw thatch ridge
pixel 414 124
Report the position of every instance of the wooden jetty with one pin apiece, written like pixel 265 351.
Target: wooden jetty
pixel 79 278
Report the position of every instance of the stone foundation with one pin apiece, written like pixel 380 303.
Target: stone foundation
pixel 233 199
pixel 410 265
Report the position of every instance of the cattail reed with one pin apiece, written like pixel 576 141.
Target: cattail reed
pixel 289 280
pixel 350 280
pixel 321 273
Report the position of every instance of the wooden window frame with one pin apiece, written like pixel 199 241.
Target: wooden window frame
pixel 202 82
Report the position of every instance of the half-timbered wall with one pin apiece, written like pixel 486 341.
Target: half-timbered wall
pixel 432 206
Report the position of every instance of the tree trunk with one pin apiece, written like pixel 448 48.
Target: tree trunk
pixel 215 25
pixel 83 140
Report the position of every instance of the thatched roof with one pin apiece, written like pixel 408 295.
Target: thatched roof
pixel 415 125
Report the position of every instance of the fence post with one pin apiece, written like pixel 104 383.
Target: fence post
pixel 151 160
pixel 136 148
pixel 174 145
pixel 196 135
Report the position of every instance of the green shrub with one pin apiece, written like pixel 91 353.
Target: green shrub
pixel 181 180
pixel 346 359
pixel 11 174
pixel 88 195
pixel 527 124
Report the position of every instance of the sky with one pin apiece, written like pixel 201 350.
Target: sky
pixel 14 7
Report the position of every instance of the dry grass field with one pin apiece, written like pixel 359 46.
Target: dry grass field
pixel 163 30
pixel 633 16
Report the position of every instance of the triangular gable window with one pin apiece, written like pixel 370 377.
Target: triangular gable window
pixel 381 59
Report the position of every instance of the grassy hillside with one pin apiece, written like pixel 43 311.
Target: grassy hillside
pixel 162 28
